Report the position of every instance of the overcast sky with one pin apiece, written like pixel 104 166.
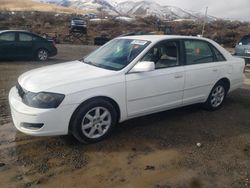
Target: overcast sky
pixel 233 9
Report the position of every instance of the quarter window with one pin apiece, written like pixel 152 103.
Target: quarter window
pixel 218 55
pixel 7 37
pixel 25 37
pixel 164 55
pixel 198 52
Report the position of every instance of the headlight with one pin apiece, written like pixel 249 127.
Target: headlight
pixel 43 99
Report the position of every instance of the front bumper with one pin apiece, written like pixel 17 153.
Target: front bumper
pixel 53 121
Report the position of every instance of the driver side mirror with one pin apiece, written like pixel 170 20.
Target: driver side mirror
pixel 143 66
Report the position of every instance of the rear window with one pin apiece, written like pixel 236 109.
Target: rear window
pixel 36 38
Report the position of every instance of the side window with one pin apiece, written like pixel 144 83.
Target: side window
pixel 7 37
pixel 218 55
pixel 164 55
pixel 23 37
pixel 198 52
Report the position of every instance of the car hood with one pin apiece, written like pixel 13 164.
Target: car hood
pixel 50 77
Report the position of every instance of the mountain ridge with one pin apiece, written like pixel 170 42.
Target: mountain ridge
pixel 130 8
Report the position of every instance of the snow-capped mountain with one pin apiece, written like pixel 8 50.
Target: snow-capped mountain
pixel 148 8
pixel 129 8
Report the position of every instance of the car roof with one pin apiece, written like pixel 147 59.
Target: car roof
pixel 3 31
pixel 155 38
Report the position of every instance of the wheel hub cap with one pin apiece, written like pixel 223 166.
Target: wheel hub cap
pixel 42 55
pixel 218 95
pixel 96 122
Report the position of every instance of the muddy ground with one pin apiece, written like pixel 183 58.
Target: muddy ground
pixel 157 151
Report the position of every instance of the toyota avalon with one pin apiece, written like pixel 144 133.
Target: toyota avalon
pixel 128 77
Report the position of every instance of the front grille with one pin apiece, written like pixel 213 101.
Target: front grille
pixel 20 90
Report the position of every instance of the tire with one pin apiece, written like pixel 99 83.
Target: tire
pixel 216 97
pixel 89 126
pixel 42 54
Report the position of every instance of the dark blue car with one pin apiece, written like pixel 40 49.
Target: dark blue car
pixel 16 44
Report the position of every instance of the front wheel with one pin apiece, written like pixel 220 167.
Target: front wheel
pixel 94 121
pixel 216 97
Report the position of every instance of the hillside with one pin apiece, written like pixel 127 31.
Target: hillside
pixel 57 25
pixel 29 5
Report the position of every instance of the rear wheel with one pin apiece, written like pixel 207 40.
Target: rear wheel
pixel 216 97
pixel 42 55
pixel 94 121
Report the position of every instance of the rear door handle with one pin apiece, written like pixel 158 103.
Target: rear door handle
pixel 215 70
pixel 178 76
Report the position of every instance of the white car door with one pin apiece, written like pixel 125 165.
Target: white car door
pixel 201 71
pixel 157 90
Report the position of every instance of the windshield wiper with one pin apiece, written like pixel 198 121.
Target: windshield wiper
pixel 98 65
pixel 87 62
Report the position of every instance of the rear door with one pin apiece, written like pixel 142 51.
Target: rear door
pixel 24 45
pixel 201 70
pixel 8 45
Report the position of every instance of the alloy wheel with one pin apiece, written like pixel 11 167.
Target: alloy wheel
pixel 42 55
pixel 217 96
pixel 96 122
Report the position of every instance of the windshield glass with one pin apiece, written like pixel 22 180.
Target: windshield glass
pixel 117 54
pixel 245 40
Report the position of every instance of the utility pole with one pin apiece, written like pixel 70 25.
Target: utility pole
pixel 204 22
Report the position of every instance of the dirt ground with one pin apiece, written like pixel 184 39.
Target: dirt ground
pixel 158 151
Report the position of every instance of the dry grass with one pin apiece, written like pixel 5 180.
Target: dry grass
pixel 29 5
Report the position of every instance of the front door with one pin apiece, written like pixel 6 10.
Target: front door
pixel 8 45
pixel 157 90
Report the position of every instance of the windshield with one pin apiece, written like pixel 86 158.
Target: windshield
pixel 245 40
pixel 117 54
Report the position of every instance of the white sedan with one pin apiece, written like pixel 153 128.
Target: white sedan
pixel 126 78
